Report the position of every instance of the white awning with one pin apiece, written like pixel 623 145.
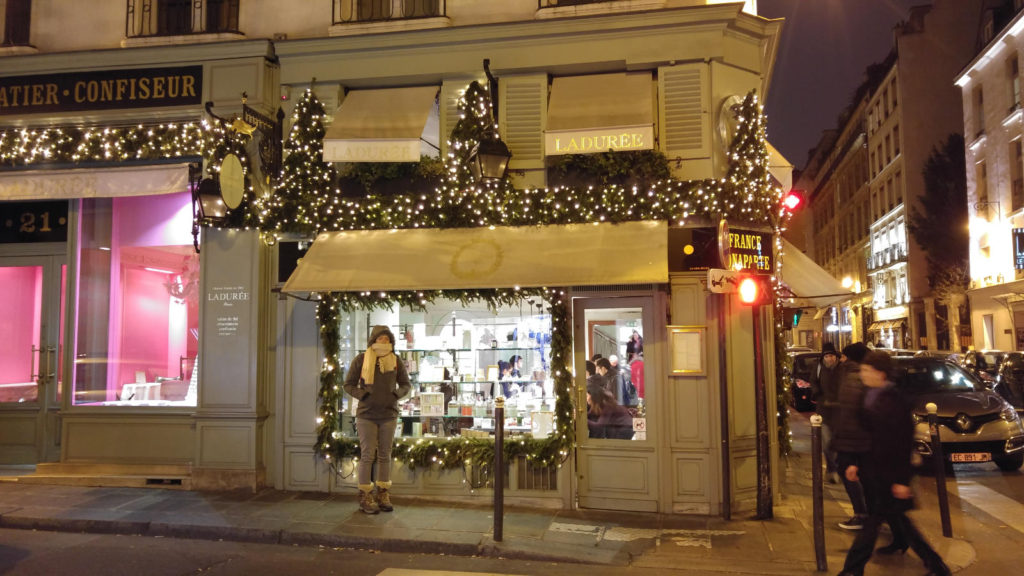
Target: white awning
pixel 379 125
pixel 499 257
pixel 93 182
pixel 601 112
pixel 809 283
pixel 780 168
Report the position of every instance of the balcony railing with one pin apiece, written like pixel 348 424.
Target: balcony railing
pixel 349 11
pixel 16 18
pixel 180 17
pixel 890 255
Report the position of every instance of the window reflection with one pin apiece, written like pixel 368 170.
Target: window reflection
pixel 615 383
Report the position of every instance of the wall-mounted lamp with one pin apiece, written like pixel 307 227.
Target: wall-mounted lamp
pixel 207 203
pixel 489 158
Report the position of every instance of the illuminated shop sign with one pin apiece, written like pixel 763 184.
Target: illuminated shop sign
pixel 101 90
pixel 751 251
pixel 1018 248
pixel 599 140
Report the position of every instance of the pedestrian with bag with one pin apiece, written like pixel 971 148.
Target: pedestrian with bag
pixel 378 379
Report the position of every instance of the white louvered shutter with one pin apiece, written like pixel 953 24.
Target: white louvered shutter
pixel 683 111
pixel 522 117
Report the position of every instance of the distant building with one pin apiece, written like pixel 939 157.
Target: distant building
pixel 862 179
pixel 992 115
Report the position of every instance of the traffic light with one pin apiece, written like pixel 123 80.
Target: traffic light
pixel 754 290
pixel 793 199
pixel 791 317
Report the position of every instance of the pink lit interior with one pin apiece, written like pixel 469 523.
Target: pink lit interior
pixel 21 300
pixel 149 329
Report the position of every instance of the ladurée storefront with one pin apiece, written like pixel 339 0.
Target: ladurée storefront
pixel 107 311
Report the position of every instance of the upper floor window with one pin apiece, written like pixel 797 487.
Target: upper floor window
pixel 978 102
pixel 892 94
pixel 17 17
pixel 1013 81
pixel 378 10
pixel 178 17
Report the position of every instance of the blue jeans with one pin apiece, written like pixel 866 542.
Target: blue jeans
pixel 375 440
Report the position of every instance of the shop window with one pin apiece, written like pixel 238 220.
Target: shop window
pixel 21 299
pixel 17 19
pixel 459 358
pixel 137 315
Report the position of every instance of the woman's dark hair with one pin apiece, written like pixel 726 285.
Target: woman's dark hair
pixel 600 400
pixel 591 368
pixel 502 367
pixel 879 361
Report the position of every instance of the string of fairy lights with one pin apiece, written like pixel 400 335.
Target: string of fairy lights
pixel 306 200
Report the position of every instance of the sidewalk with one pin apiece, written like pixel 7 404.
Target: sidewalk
pixel 668 543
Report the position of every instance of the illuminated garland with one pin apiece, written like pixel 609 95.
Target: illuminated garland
pixel 24 147
pixel 454 452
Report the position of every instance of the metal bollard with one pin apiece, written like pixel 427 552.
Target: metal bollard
pixel 939 460
pixel 818 494
pixel 499 467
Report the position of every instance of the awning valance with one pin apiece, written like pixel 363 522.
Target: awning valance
pixel 26 185
pixel 780 168
pixel 379 125
pixel 809 283
pixel 498 257
pixel 601 112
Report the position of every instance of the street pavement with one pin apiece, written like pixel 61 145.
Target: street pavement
pixel 661 543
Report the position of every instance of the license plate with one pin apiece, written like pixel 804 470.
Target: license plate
pixel 970 457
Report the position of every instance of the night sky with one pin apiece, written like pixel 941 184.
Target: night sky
pixel 826 46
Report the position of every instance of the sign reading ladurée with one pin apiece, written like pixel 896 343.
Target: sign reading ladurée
pixel 558 142
pixel 751 251
pixel 101 90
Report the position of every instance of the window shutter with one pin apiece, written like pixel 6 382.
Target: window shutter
pixel 522 115
pixel 683 111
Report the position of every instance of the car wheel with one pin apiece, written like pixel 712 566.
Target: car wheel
pixel 1010 463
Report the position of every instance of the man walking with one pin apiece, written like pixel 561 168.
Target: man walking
pixel 850 441
pixel 825 387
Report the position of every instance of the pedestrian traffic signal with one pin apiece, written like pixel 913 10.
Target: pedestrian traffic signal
pixel 754 290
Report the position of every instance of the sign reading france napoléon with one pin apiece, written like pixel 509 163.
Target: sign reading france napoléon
pixel 101 90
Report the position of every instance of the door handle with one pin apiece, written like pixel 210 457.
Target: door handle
pixel 33 375
pixel 50 352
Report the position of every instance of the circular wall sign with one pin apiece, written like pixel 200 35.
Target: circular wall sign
pixel 724 247
pixel 232 181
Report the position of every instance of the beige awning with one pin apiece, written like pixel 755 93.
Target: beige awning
pixel 379 125
pixel 780 168
pixel 809 283
pixel 25 185
pixel 499 257
pixel 601 112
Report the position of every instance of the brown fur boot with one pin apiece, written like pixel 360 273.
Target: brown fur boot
pixel 367 503
pixel 384 498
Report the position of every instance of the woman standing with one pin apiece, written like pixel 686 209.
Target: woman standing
pixel 886 471
pixel 377 378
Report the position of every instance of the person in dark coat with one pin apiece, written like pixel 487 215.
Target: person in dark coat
pixel 886 472
pixel 377 378
pixel 850 441
pixel 825 387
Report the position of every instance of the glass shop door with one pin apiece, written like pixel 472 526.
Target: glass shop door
pixel 617 453
pixel 31 344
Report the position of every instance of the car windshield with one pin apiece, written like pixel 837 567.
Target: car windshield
pixel 926 377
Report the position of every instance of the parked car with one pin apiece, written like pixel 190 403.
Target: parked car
pixel 805 366
pixel 1010 380
pixel 975 423
pixel 984 364
pixel 898 352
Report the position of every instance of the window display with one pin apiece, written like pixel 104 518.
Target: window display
pixel 137 321
pixel 459 358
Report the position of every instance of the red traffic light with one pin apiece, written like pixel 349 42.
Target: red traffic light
pixel 753 290
pixel 793 200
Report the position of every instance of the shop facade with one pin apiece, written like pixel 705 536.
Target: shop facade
pixel 216 385
pixel 104 294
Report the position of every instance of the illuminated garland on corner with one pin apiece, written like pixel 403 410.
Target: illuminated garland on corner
pixel 454 452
